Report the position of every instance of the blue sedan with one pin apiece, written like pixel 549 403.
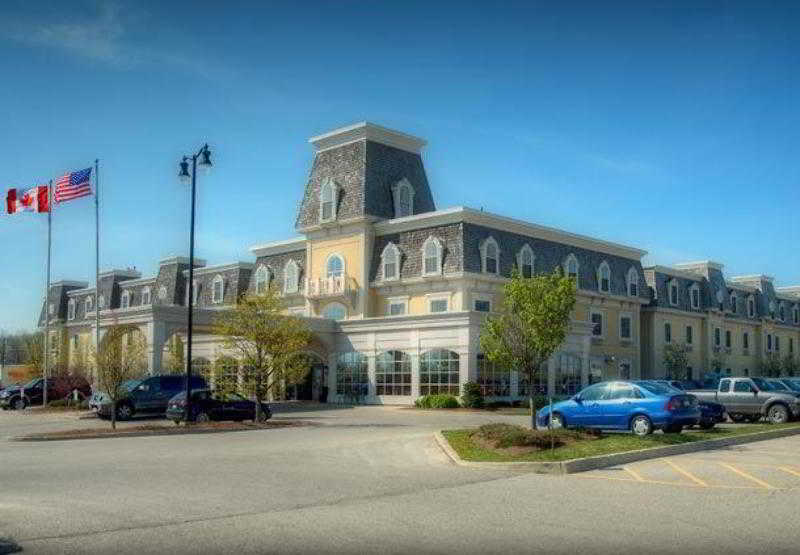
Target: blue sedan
pixel 640 407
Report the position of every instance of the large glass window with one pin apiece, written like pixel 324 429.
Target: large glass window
pixel 667 332
pixel 393 373
pixel 335 266
pixel 604 278
pixel 568 374
pixel 597 324
pixel 439 372
pixel 390 261
pixel 493 380
pixel 352 377
pixel 432 256
pixel 262 280
pixel 539 382
pixel 625 327
pixel 217 289
pixel 526 262
pixel 291 277
pixel 491 262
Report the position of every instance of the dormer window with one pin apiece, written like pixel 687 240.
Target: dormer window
pixel 291 277
pixel 604 278
pixel 217 289
pixel 751 307
pixel 390 262
pixel 490 254
pixel 262 280
pixel 432 257
pixel 525 261
pixel 633 283
pixel 328 200
pixel 71 309
pixel 403 194
pixel 146 299
pixel 782 313
pixel 694 295
pixel 673 292
pixel 772 309
pixel 796 315
pixel 734 299
pixel 125 301
pixel 89 304
pixel 101 302
pixel 571 267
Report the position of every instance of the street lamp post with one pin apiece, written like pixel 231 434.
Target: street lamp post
pixel 205 161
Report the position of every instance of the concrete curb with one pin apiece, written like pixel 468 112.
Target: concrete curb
pixel 604 461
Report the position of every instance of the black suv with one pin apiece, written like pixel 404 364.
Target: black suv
pixel 149 395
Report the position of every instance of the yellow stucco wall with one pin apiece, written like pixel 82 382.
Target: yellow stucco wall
pixel 350 248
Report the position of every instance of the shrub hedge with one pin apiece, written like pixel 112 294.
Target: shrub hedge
pixel 503 436
pixel 437 401
pixel 471 396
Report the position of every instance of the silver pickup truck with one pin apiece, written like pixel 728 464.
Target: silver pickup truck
pixel 751 399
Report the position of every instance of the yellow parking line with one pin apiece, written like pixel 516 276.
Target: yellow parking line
pixel 632 472
pixel 744 474
pixel 790 471
pixel 689 475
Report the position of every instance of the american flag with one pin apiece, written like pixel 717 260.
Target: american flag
pixel 73 185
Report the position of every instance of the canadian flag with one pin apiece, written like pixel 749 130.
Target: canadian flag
pixel 32 200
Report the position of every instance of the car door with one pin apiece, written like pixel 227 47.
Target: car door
pixel 170 386
pixel 146 394
pixel 586 406
pixel 744 398
pixel 616 405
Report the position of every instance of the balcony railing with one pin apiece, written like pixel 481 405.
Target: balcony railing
pixel 336 286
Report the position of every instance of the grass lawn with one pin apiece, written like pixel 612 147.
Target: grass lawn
pixel 468 450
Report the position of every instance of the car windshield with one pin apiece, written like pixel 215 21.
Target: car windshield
pixel 31 383
pixel 778 385
pixel 659 388
pixel 129 385
pixel 794 386
pixel 764 385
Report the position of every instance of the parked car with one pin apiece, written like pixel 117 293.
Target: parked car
pixel 784 386
pixel 18 397
pixel 751 399
pixel 148 395
pixel 640 407
pixel 791 383
pixel 711 413
pixel 212 405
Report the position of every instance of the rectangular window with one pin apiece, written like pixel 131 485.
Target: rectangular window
pixel 327 210
pixel 438 305
pixel 717 337
pixel 728 339
pixel 746 340
pixel 673 294
pixel 751 308
pixel 482 305
pixel 769 342
pixel 777 344
pixel 667 332
pixel 397 308
pixel 689 337
pixel 695 298
pixel 597 324
pixel 625 327
pixel 791 345
pixel 494 381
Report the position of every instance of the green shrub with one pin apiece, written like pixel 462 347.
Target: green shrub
pixel 503 436
pixel 437 401
pixel 471 396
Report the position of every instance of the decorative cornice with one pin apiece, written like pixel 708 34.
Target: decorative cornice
pixel 221 268
pixel 69 283
pixel 674 272
pixel 367 131
pixel 754 277
pixel 198 262
pixel 700 264
pixel 279 247
pixel 127 273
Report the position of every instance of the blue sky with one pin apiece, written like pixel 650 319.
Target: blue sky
pixel 682 116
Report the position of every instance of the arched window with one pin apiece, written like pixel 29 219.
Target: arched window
pixel 525 261
pixel 490 254
pixel 89 304
pixel 334 268
pixel 262 280
pixel 734 302
pixel 694 296
pixel 217 289
pixel 403 194
pixel 604 278
pixel 328 200
pixel 126 300
pixel 71 309
pixel 571 267
pixel 796 315
pixel 439 372
pixel 432 257
pixel 146 300
pixel 352 376
pixel 633 282
pixel 781 313
pixel 393 373
pixel 751 307
pixel 494 380
pixel 672 290
pixel 335 311
pixel 390 262
pixel 291 277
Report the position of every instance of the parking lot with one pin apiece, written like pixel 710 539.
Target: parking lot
pixel 370 479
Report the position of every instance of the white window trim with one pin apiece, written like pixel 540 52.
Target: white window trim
pixel 632 279
pixel 692 289
pixel 262 270
pixel 603 265
pixel 484 247
pixel 125 299
pixel 329 183
pixel 217 279
pixel 603 324
pixel 670 284
pixel 439 261
pixel 431 297
pixel 395 301
pixel 293 285
pixel 71 309
pixel 526 249
pixel 567 260
pixel 628 315
pixel 396 188
pixel 328 261
pixel 390 248
pixel 147 295
pixel 482 297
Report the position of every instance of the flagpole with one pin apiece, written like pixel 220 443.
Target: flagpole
pixel 96 257
pixel 47 294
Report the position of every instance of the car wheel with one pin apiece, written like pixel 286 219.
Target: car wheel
pixel 124 412
pixel 201 417
pixel 778 414
pixel 557 421
pixel 19 404
pixel 641 426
